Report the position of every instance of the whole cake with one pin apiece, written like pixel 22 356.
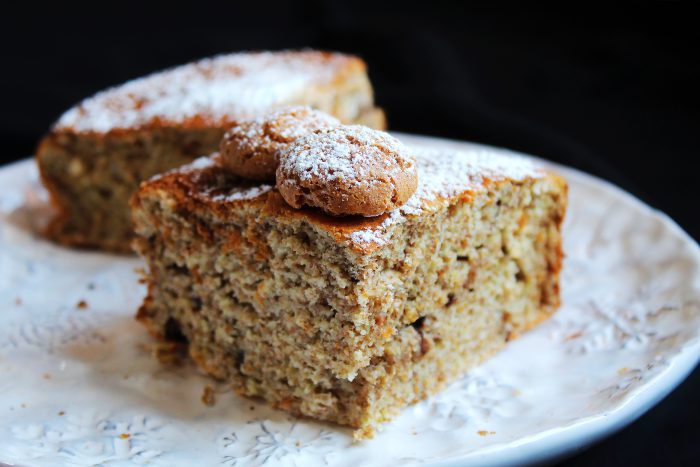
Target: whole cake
pixel 98 152
pixel 349 318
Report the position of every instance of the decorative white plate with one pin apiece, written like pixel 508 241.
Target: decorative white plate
pixel 79 387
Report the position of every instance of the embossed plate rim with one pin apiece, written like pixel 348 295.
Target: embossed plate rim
pixel 558 442
pixel 563 439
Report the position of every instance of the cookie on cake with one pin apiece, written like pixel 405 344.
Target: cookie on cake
pixel 251 148
pixel 347 170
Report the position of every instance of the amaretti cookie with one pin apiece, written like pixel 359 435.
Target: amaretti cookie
pixel 252 148
pixel 347 170
pixel 348 319
pixel 98 152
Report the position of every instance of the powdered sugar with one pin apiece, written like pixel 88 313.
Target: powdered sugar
pixel 443 174
pixel 198 164
pixel 251 148
pixel 349 154
pixel 283 124
pixel 244 194
pixel 368 236
pixel 220 190
pixel 291 122
pixel 216 90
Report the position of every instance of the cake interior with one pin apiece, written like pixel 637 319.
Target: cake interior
pixel 282 306
pixel 91 178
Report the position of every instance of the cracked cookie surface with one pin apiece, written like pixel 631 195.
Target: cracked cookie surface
pixel 347 170
pixel 251 148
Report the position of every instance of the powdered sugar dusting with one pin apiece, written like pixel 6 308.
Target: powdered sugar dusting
pixel 219 187
pixel 245 194
pixel 367 236
pixel 218 89
pixel 349 154
pixel 251 148
pixel 198 164
pixel 289 123
pixel 443 174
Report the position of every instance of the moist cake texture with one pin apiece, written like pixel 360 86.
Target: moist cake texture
pixel 99 151
pixel 350 319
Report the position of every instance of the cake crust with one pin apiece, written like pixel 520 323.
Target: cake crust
pixel 220 91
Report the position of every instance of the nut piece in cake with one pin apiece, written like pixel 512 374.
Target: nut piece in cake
pixel 99 151
pixel 347 170
pixel 251 148
pixel 349 319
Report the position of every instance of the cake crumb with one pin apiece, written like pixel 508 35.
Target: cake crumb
pixel 168 353
pixel 573 336
pixel 124 436
pixel 61 413
pixel 485 433
pixel 18 301
pixel 622 371
pixel 81 305
pixel 142 275
pixel 46 376
pixel 208 396
pixel 285 404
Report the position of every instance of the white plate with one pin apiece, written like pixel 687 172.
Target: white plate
pixel 79 386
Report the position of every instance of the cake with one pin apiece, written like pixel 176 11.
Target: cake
pixel 98 152
pixel 349 319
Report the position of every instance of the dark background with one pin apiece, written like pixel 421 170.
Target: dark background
pixel 612 91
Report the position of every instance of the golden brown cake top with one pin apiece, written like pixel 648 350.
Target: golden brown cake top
pixel 211 92
pixel 444 177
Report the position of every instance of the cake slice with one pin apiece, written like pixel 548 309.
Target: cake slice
pixel 99 151
pixel 350 319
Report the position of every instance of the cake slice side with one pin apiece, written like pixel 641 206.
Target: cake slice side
pixel 347 320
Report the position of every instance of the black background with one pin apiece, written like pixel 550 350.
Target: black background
pixel 612 91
